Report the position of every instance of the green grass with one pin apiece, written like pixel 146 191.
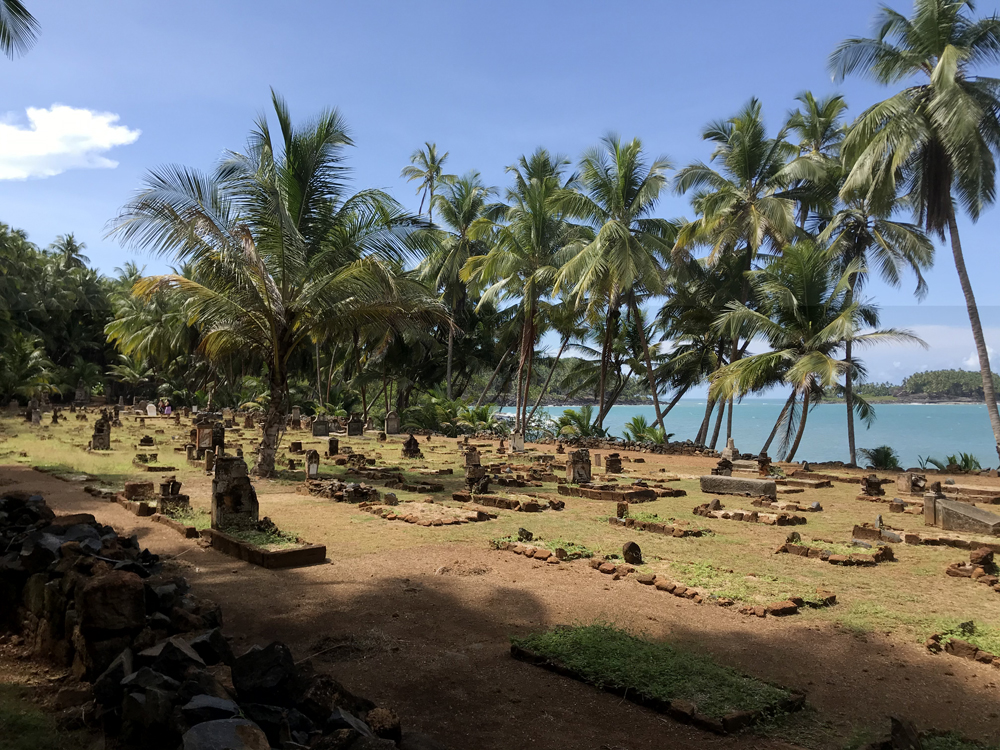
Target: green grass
pixel 24 727
pixel 983 637
pixel 606 656
pixel 264 539
pixel 952 741
pixel 200 519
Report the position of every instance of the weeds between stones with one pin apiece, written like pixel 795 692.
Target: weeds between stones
pixel 615 660
pixel 24 726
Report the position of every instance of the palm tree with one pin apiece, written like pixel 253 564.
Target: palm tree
pixel 427 167
pixel 463 202
pixel 805 317
pixel 70 252
pixel 18 28
pixel 527 248
pixel 819 125
pixel 745 206
pixel 280 253
pixel 863 232
pixel 938 136
pixel 625 259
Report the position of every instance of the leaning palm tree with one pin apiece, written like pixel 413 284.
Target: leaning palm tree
pixel 527 248
pixel 428 168
pixel 279 252
pixel 806 317
pixel 625 261
pixel 18 28
pixel 462 203
pixel 938 136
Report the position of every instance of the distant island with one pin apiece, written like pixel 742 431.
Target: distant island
pixel 930 387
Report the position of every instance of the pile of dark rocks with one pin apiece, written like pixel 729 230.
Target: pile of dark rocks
pixel 150 664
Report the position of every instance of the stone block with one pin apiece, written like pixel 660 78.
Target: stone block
pixel 720 485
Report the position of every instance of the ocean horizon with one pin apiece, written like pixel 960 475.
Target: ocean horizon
pixel 913 430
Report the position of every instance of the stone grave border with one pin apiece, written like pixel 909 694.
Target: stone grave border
pixel 655 527
pixel 883 554
pixel 770 519
pixel 389 514
pixel 682 711
pixel 294 557
pixel 960 648
pixel 636 493
pixel 504 503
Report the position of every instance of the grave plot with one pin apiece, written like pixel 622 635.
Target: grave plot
pixel 427 513
pixel 728 485
pixel 519 503
pixel 635 493
pixel 963 642
pixel 341 492
pixel 238 531
pixel 149 462
pixel 949 541
pixel 716 509
pixel 980 568
pixel 657 676
pixel 381 474
pixel 826 551
pixel 871 489
pixel 785 507
pixel 653 524
pixel 526 545
pixel 415 487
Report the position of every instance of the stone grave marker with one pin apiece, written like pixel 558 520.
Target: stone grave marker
pixel 517 442
pixel 101 439
pixel 321 427
pixel 411 448
pixel 150 410
pixel 613 464
pixel 578 468
pixel 234 500
pixel 392 423
pixel 332 446
pixel 312 464
pixel 355 427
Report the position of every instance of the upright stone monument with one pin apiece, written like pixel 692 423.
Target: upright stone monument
pixel 101 439
pixel 392 423
pixel 730 452
pixel 613 464
pixel 517 442
pixel 411 448
pixel 312 464
pixel 355 427
pixel 332 447
pixel 321 427
pixel 578 468
pixel 234 500
pixel 150 410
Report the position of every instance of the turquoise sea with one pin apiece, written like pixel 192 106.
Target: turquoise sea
pixel 912 429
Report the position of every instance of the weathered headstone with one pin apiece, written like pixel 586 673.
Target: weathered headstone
pixel 234 501
pixel 909 482
pixel 597 460
pixel 101 439
pixel 578 468
pixel 613 464
pixel 724 468
pixel 729 452
pixel 392 423
pixel 312 464
pixel 36 416
pixel 248 422
pixel 150 410
pixel 517 442
pixel 952 515
pixel 332 446
pixel 631 553
pixel 411 448
pixel 320 427
pixel 355 427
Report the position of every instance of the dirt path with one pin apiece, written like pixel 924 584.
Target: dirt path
pixel 425 631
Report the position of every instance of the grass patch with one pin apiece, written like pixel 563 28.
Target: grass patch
pixel 952 741
pixel 264 534
pixel 24 727
pixel 200 519
pixel 983 637
pixel 611 658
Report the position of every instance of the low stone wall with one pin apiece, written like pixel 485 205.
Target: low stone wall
pixel 882 554
pixel 418 514
pixel 294 557
pixel 534 505
pixel 150 664
pixel 715 509
pixel 678 531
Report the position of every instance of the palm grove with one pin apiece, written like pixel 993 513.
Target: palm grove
pixel 288 288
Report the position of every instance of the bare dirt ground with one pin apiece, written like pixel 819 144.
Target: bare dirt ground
pixel 419 620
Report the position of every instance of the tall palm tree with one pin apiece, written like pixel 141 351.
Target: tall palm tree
pixel 69 251
pixel 625 261
pixel 745 206
pixel 863 232
pixel 463 201
pixel 805 318
pixel 427 167
pixel 819 127
pixel 527 249
pixel 279 251
pixel 18 28
pixel 938 136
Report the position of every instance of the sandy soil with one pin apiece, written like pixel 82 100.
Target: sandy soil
pixel 425 631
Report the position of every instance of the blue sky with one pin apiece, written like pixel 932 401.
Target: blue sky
pixel 486 81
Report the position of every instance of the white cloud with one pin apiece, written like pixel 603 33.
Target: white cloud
pixel 972 362
pixel 59 138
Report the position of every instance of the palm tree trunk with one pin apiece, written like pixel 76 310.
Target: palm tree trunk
pixel 675 399
pixel 274 421
pixel 527 379
pixel 319 379
pixel 548 379
pixel 649 363
pixel 802 425
pixel 849 399
pixel 493 377
pixel 451 350
pixel 718 424
pixel 602 383
pixel 703 430
pixel 520 377
pixel 778 421
pixel 989 393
